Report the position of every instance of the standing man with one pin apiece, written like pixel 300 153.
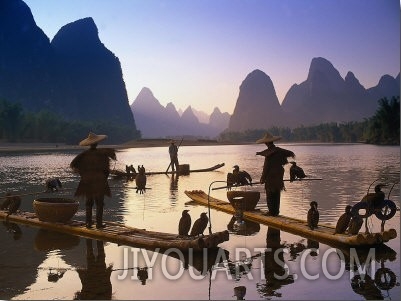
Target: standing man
pixel 173 151
pixel 273 171
pixel 93 165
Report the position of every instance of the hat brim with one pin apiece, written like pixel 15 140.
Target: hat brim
pixel 267 140
pixel 92 140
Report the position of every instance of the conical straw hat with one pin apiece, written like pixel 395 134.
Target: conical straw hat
pixel 92 139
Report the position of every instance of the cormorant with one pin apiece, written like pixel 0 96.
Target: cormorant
pixel 313 215
pixel 200 225
pixel 296 172
pixel 344 220
pixel 355 224
pixel 53 184
pixel 185 223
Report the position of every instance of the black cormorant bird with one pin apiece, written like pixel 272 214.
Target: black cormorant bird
pixel 355 224
pixel 343 221
pixel 11 204
pixel 185 223
pixel 296 172
pixel 53 184
pixel 313 215
pixel 200 225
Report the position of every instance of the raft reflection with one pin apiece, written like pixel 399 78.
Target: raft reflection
pixel 373 286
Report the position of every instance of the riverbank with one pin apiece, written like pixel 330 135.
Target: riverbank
pixel 7 147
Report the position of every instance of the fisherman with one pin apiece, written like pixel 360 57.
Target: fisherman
pixel 93 165
pixel 273 171
pixel 173 151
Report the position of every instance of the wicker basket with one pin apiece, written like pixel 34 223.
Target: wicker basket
pixel 56 210
pixel 247 200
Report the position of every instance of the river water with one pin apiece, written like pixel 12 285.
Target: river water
pixel 37 264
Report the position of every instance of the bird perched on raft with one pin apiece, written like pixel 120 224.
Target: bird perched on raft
pixel 200 225
pixel 296 172
pixel 355 224
pixel 53 184
pixel 344 220
pixel 11 204
pixel 238 178
pixel 185 223
pixel 140 180
pixel 313 215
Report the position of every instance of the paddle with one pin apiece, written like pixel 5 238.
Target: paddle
pixel 256 183
pixel 177 150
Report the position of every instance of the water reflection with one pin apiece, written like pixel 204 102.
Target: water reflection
pixel 275 271
pixel 96 284
pixel 240 292
pixel 372 285
pixel 13 229
pixel 243 227
pixel 47 240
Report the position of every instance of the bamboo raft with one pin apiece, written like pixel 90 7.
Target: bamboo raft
pixel 122 234
pixel 324 233
pixel 121 174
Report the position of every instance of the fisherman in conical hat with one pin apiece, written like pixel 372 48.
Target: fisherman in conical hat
pixel 173 151
pixel 93 165
pixel 273 171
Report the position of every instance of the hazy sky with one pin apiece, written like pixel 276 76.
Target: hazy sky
pixel 198 52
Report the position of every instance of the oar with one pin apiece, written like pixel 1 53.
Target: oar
pixel 256 183
pixel 168 167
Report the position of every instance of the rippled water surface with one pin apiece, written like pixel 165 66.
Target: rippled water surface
pixel 37 264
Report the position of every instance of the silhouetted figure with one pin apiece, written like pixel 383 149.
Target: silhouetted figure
pixel 173 151
pixel 93 165
pixel 140 180
pixel 343 221
pixel 296 172
pixel 273 171
pixel 185 223
pixel 11 204
pixel 313 215
pixel 200 225
pixel 95 279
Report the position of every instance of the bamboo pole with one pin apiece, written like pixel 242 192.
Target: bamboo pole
pixel 257 183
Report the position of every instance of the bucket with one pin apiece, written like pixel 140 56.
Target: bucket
pixel 55 210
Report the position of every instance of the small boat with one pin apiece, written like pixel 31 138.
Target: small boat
pixel 323 233
pixel 185 168
pixel 122 234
